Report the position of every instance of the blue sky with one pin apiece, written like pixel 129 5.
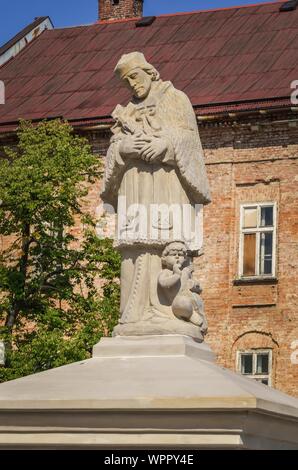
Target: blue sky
pixel 16 14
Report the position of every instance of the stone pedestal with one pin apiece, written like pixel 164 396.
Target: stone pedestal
pixel 145 392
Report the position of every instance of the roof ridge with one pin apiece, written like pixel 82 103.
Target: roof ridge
pixel 73 27
pixel 179 13
pixel 118 20
pixel 235 7
pixel 191 12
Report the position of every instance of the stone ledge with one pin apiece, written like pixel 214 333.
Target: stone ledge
pixel 152 346
pixel 160 391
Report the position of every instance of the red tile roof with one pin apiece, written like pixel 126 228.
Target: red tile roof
pixel 234 59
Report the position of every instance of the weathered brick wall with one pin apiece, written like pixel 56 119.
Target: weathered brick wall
pixel 251 164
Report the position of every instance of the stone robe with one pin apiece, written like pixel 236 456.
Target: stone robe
pixel 178 178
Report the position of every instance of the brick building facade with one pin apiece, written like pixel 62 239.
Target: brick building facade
pixel 253 162
pixel 249 267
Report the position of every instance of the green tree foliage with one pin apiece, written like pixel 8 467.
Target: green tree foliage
pixel 51 310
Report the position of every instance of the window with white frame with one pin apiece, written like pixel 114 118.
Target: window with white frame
pixel 256 364
pixel 257 240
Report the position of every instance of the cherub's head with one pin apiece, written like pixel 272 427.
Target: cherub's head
pixel 174 253
pixel 137 74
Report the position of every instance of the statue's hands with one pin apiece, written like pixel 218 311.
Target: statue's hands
pixel 152 148
pixel 128 146
pixel 177 269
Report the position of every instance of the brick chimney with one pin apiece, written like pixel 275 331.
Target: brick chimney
pixel 118 9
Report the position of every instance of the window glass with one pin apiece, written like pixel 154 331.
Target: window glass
pixel 266 252
pixel 249 255
pixel 246 364
pixel 250 217
pixel 267 216
pixel 262 364
pixel 265 381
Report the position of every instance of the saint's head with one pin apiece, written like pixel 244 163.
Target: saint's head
pixel 137 74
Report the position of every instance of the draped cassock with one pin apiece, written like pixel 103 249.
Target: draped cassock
pixel 177 178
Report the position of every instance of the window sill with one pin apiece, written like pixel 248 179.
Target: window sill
pixel 255 280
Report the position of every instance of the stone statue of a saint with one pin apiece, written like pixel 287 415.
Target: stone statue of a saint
pixel 155 179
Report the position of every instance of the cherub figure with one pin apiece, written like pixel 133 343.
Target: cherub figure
pixel 178 286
